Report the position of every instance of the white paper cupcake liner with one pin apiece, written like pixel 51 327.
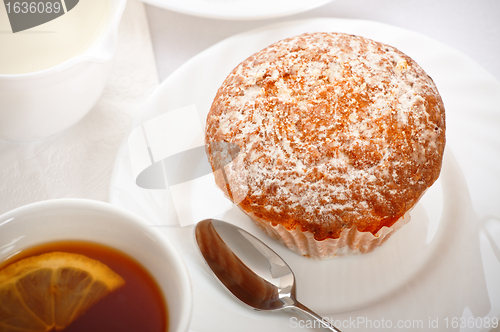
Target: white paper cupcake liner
pixel 350 242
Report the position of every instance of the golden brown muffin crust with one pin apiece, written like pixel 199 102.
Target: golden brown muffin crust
pixel 335 131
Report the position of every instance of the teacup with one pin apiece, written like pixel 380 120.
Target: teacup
pixel 51 75
pixel 102 223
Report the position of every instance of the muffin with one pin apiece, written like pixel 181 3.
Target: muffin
pixel 338 136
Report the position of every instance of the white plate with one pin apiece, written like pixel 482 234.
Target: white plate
pixel 238 9
pixel 443 268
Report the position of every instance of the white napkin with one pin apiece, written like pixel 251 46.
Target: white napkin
pixel 78 162
pixel 192 190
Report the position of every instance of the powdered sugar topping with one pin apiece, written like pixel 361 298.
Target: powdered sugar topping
pixel 334 130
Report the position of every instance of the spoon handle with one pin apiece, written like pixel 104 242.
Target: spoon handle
pixel 305 311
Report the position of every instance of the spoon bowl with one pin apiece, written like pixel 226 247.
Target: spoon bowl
pixel 250 270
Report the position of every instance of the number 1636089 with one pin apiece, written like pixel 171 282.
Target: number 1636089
pixel 33 7
pixel 471 322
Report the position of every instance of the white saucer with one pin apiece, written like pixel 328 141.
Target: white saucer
pixel 442 268
pixel 238 9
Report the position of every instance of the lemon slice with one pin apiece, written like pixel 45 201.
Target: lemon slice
pixel 49 291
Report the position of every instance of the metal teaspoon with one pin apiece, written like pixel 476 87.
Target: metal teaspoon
pixel 250 270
